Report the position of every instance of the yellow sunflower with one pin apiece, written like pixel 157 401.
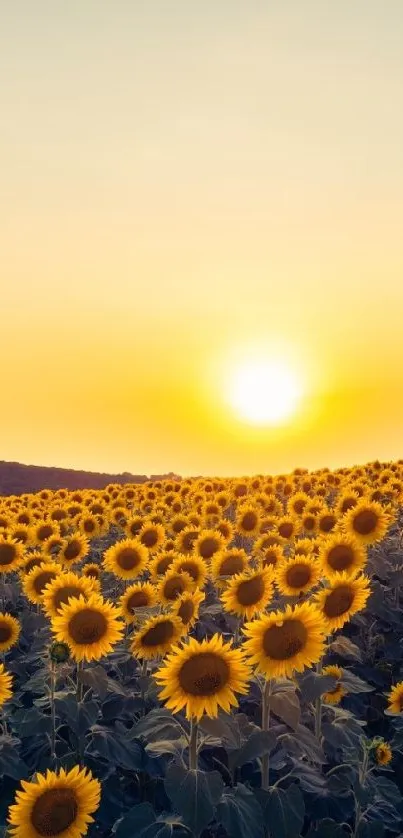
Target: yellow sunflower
pixel 89 525
pixel 395 698
pixel 34 582
pixel 383 753
pixel 228 563
pixel 73 549
pixel 341 552
pixel 11 554
pixel 133 525
pixel 60 590
pixel 201 677
pixel 346 500
pixel 31 561
pixel 345 596
pixel 287 527
pixel 334 695
pixel 297 503
pixel 226 529
pixel 127 559
pixel 186 539
pixel 174 584
pixel 56 804
pixel 156 636
pixel 194 566
pixel 248 593
pixel 297 575
pixel 283 642
pixel 9 632
pixel 327 521
pixel 186 607
pixel 367 521
pixel 309 522
pixel 93 571
pixel 90 627
pixel 159 565
pixel 43 530
pixel 5 685
pixel 270 556
pixel 303 546
pixel 248 520
pixel 140 595
pixel 22 533
pixel 152 536
pixel 208 543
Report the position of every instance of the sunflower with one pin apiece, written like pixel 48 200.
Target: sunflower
pixel 52 546
pixel 174 584
pixel 347 500
pixel 287 527
pixel 140 595
pixel 303 546
pixel 334 695
pixel 5 685
pixel 11 553
pixel 208 543
pixel 383 753
pixel 34 582
pixel 159 565
pixel 89 525
pixel 9 632
pixel 126 559
pixel 395 698
pixel 367 521
pixel 227 564
pixel 90 627
pixel 60 590
pixel 327 521
pixel 43 530
pixel 92 571
pixel 201 677
pixel 248 520
pixel 297 576
pixel 186 607
pixel 73 549
pixel 341 552
pixel 31 561
pixel 283 642
pixel 186 539
pixel 156 636
pixel 248 593
pixel 194 566
pixel 309 522
pixel 270 556
pixel 22 533
pixel 133 525
pixel 56 804
pixel 345 596
pixel 152 536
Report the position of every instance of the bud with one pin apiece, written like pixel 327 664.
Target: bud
pixel 59 652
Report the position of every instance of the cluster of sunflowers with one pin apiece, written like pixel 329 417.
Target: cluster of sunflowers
pixel 285 556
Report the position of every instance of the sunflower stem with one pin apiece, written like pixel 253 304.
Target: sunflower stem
pixel 265 726
pixel 79 691
pixel 318 708
pixel 193 745
pixel 52 712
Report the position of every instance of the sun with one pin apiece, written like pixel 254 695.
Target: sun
pixel 265 391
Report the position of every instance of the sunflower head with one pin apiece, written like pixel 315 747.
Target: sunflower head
pixel 383 753
pixel 297 575
pixel 9 632
pixel 151 536
pixel 248 593
pixel 186 607
pixel 395 699
pixel 156 636
pixel 208 543
pixel 345 596
pixel 173 585
pixel 136 597
pixel 11 553
pixel 90 627
pixel 367 521
pixel 341 552
pixel 334 695
pixel 186 539
pixel 35 582
pixel 56 804
pixel 5 685
pixel 64 587
pixel 127 559
pixel 59 652
pixel 248 520
pixel 194 566
pixel 201 677
pixel 73 549
pixel 287 527
pixel 227 564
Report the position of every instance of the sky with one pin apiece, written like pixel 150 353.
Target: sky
pixel 185 184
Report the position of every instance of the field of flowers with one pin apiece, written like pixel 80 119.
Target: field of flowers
pixel 204 657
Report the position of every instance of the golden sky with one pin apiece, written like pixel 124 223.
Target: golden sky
pixel 182 182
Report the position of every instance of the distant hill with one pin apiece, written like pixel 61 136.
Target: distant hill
pixel 16 478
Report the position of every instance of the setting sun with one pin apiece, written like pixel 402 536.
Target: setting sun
pixel 265 391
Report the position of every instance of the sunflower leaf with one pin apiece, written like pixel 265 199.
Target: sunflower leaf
pixel 194 795
pixel 284 812
pixel 312 685
pixel 286 706
pixel 239 812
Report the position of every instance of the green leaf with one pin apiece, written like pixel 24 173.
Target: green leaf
pixel 194 795
pixel 239 812
pixel 284 812
pixel 312 685
pixel 328 829
pixel 97 678
pixel 158 724
pixel 286 706
pixel 167 746
pixel 135 821
pixel 353 684
pixel 111 744
pixel 345 648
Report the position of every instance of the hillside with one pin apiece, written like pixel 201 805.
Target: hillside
pixel 17 478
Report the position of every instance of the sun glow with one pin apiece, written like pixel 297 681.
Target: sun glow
pixel 264 391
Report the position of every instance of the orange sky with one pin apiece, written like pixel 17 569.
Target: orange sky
pixel 182 182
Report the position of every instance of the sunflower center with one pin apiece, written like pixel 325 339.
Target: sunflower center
pixel 286 529
pixel 309 522
pixel 348 503
pixel 340 557
pixel 87 626
pixel 92 572
pixel 249 521
pixel 298 575
pixel 338 601
pixel 137 600
pixel 72 550
pixel 31 563
pixel 45 532
pixel 5 633
pixel 127 558
pixel 54 811
pixel 186 611
pixel 89 526
pixel 204 674
pixel 192 569
pixel 299 506
pixel 282 642
pixel 208 547
pixel 149 538
pixel 163 564
pixel 250 591
pixel 63 595
pixel 327 523
pixel 189 539
pixel 270 558
pixel 160 633
pixel 42 580
pixel 365 521
pixel 174 587
pixel 7 554
pixel 231 565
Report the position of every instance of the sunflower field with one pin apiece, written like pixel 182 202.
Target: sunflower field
pixel 204 657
